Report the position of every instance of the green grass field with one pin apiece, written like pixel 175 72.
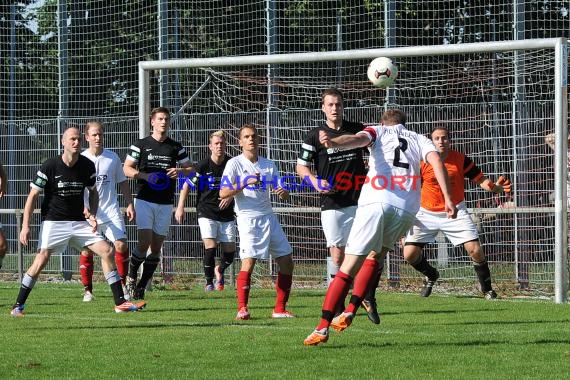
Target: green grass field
pixel 187 334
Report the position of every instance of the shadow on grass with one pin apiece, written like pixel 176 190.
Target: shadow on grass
pixel 335 345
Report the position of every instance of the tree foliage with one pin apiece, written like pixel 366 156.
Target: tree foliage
pixel 106 40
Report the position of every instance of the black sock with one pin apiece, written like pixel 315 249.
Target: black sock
pixel 483 275
pixel 209 262
pixel 22 295
pixel 117 290
pixel 227 260
pixel 27 285
pixel 134 263
pixel 149 267
pixel 424 267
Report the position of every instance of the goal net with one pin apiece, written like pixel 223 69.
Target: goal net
pixel 498 100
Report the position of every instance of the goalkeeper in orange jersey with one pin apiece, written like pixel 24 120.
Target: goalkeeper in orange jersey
pixel 432 218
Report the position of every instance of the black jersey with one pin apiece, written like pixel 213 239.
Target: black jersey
pixel 207 182
pixel 154 157
pixel 64 187
pixel 335 165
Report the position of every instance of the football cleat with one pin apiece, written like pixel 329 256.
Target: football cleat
pixel 129 288
pixel 88 296
pixel 282 314
pixel 126 293
pixel 243 314
pixel 129 306
pixel 429 282
pixel 219 278
pixel 342 322
pixel 17 311
pixel 138 294
pixel 491 295
pixel 371 310
pixel 209 288
pixel 317 337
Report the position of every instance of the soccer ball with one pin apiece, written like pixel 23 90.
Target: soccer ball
pixel 382 72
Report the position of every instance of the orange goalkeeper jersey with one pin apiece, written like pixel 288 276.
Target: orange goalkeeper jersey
pixel 458 166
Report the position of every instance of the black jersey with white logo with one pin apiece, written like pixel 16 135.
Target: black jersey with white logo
pixel 338 166
pixel 207 183
pixel 63 188
pixel 154 157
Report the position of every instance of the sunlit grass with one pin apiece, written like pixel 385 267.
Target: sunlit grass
pixel 190 334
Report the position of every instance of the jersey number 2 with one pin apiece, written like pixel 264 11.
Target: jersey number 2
pixel 402 148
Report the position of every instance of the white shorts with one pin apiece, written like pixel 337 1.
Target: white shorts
pixel 222 232
pixel 336 225
pixel 261 237
pixel 429 223
pixel 57 235
pixel 114 229
pixel 152 216
pixel 377 226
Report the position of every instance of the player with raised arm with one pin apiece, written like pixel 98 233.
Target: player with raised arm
pixel 215 216
pixel 249 178
pixel 64 179
pixel 110 220
pixel 338 206
pixel 386 209
pixel 431 218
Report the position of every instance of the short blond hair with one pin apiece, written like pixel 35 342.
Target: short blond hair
pixel 221 134
pixel 93 124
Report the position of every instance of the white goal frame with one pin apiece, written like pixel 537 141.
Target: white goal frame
pixel 558 45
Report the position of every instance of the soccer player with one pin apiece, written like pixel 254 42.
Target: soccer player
pixel 64 180
pixel 152 161
pixel 386 209
pixel 215 215
pixel 338 205
pixel 110 222
pixel 3 190
pixel 250 178
pixel 431 218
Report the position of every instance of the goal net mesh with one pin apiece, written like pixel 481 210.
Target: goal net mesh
pixel 498 108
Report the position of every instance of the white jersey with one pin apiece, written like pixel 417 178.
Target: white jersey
pixel 394 166
pixel 254 200
pixel 109 171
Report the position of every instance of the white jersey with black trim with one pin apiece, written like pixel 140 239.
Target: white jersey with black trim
pixel 254 200
pixel 394 166
pixel 109 173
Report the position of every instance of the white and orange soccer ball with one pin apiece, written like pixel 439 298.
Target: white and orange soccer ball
pixel 382 72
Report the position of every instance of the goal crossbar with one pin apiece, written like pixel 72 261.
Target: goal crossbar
pixel 558 45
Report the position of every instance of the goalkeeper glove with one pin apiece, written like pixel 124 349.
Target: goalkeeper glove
pixel 502 184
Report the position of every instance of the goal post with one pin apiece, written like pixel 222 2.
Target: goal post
pixel 499 100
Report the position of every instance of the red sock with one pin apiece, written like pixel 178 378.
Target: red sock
pixel 283 288
pixel 337 291
pixel 122 261
pixel 362 282
pixel 243 284
pixel 86 270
